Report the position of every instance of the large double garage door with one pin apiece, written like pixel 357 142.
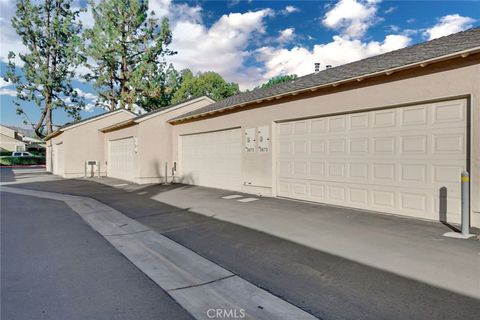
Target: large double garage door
pixel 404 160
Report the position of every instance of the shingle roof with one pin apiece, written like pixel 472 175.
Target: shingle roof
pixel 414 54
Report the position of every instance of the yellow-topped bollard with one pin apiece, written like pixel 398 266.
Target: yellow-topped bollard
pixel 465 203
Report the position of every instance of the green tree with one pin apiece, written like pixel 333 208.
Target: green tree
pixel 206 83
pixel 279 79
pixel 161 89
pixel 51 33
pixel 127 47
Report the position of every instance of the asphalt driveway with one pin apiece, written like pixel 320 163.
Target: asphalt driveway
pixel 54 266
pixel 324 284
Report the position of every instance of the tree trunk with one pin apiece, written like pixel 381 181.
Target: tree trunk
pixel 38 127
pixel 48 121
pixel 46 118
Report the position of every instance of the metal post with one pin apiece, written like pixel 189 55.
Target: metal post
pixel 465 203
pixel 166 172
pixel 174 169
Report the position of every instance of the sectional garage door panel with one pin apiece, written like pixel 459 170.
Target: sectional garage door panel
pixel 403 161
pixel 58 159
pixel 212 159
pixel 122 159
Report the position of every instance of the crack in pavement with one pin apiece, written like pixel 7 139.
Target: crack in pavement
pixel 195 282
pixel 205 283
pixel 161 213
pixel 125 234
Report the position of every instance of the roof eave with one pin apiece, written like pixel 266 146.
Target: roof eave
pixel 101 116
pixel 119 126
pixel 180 105
pixel 423 63
pixel 53 135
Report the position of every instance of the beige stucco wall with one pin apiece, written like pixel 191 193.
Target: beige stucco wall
pixel 84 142
pixel 48 156
pixel 10 144
pixel 154 142
pixel 50 145
pixel 7 131
pixel 10 140
pixel 460 78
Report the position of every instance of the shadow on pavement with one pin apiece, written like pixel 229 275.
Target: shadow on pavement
pixel 6 174
pixel 328 286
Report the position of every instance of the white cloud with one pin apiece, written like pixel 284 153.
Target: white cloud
pixel 233 3
pixel 225 46
pixel 86 95
pixel 390 10
pixel 222 47
pixel 286 35
pixel 9 40
pixel 300 60
pixel 89 107
pixel 449 24
pixel 290 9
pixel 4 83
pixel 160 7
pixel 86 18
pixel 394 28
pixel 90 100
pixel 8 92
pixel 351 17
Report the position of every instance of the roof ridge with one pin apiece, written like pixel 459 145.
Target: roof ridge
pixel 372 57
pixel 443 46
pixel 66 125
pixel 173 105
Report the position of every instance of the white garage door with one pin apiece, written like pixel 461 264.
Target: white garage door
pixel 58 159
pixel 122 159
pixel 212 159
pixel 404 161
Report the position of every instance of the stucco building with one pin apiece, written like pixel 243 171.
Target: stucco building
pixel 71 146
pixel 390 133
pixel 11 140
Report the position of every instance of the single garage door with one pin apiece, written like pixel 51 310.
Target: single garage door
pixel 404 161
pixel 122 159
pixel 58 159
pixel 212 159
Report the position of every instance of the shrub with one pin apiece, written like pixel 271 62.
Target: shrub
pixel 11 161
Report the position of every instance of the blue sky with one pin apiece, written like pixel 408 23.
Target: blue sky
pixel 251 41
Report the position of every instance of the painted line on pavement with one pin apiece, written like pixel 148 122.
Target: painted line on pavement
pixel 197 284
pixel 233 196
pixel 248 200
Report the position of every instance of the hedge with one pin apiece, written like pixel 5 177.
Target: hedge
pixel 13 161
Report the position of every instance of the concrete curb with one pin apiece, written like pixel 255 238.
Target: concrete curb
pixel 26 166
pixel 203 288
